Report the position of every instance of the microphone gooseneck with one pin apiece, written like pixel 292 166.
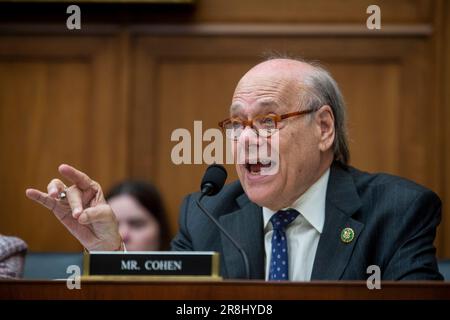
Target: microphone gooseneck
pixel 212 182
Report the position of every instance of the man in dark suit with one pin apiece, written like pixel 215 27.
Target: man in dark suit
pixel 312 217
pixel 346 220
pixel 394 221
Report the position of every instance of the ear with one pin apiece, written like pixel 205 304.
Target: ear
pixel 325 125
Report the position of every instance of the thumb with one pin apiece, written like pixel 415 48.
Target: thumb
pixel 100 213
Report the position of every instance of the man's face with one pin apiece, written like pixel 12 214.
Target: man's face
pixel 298 164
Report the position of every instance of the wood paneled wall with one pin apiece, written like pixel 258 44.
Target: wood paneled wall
pixel 107 99
pixel 60 101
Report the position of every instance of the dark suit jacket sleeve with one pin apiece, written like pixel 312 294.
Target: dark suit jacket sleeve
pixel 415 257
pixel 182 241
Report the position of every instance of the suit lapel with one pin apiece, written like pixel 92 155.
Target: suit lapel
pixel 246 226
pixel 342 201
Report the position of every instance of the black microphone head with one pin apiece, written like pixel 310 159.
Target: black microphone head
pixel 213 179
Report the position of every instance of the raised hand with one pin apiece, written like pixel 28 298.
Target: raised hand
pixel 83 210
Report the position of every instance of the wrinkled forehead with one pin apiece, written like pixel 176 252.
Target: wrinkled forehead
pixel 265 94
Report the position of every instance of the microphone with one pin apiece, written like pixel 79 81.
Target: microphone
pixel 212 182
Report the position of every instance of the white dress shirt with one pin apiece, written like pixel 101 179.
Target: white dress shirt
pixel 303 233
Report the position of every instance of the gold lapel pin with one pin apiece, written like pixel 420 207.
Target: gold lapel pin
pixel 347 235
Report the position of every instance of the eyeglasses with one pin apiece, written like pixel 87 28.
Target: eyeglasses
pixel 263 126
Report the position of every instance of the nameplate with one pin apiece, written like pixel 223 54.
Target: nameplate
pixel 152 263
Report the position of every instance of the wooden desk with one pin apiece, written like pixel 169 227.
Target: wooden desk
pixel 221 290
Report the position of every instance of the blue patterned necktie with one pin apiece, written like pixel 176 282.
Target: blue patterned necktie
pixel 279 257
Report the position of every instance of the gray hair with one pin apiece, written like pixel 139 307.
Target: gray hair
pixel 322 90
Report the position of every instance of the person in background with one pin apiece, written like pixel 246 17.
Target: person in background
pixel 141 215
pixel 12 257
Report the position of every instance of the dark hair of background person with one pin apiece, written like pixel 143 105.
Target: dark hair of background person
pixel 149 197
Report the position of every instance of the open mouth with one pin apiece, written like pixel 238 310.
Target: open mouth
pixel 255 167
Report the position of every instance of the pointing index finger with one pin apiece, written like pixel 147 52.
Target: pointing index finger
pixel 80 179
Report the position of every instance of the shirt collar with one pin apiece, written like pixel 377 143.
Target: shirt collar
pixel 310 204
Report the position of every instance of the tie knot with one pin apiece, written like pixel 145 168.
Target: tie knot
pixel 281 219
